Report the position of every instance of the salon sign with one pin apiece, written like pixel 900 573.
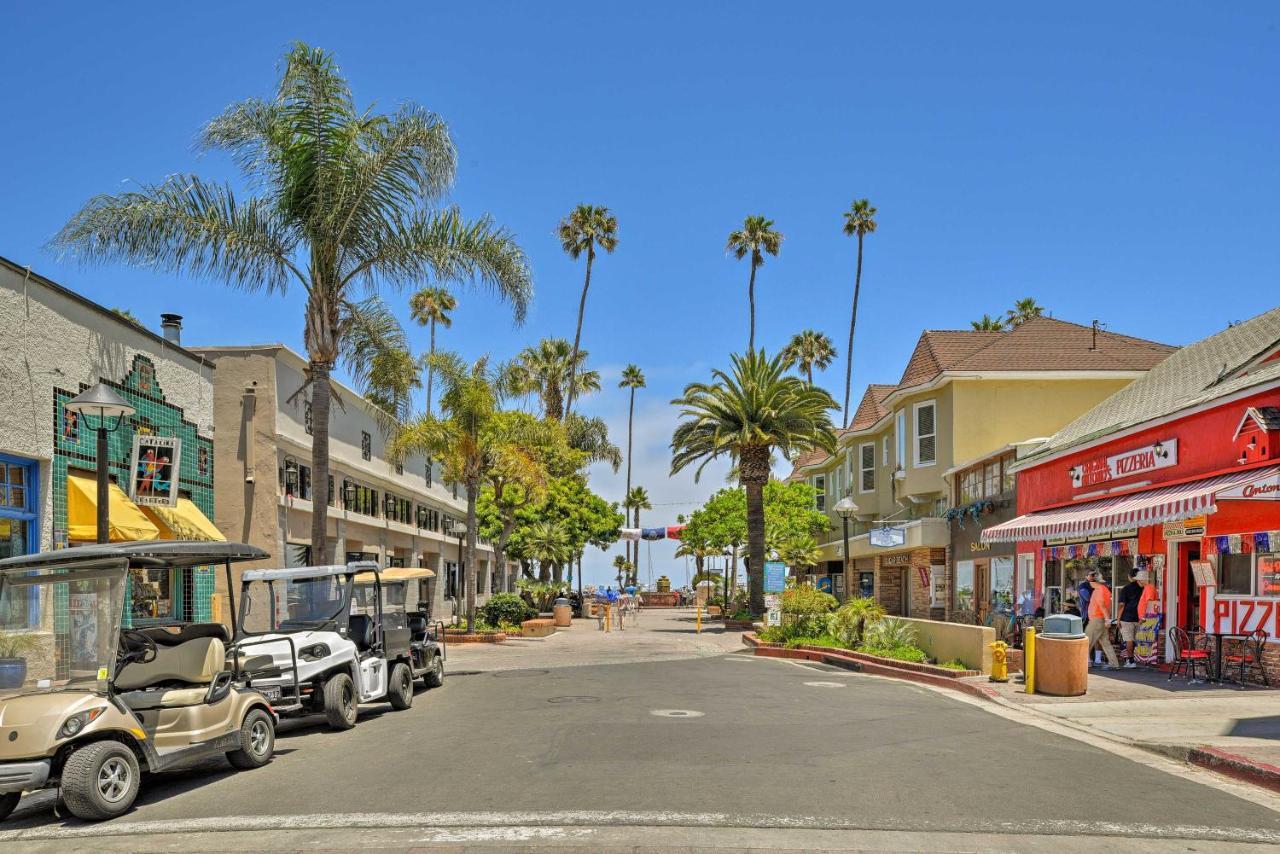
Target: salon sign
pixel 1159 455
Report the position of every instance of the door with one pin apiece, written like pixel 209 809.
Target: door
pixel 981 591
pixel 1188 590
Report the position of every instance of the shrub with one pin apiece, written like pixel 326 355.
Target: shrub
pixel 890 632
pixel 774 634
pixel 820 640
pixel 505 608
pixel 805 611
pixel 954 664
pixel 853 618
pixel 741 614
pixel 899 653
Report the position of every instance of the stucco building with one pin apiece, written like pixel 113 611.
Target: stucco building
pixel 395 514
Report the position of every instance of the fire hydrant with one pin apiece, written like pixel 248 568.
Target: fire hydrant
pixel 999 661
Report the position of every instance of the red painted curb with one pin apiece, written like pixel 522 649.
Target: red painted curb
pixel 478 637
pixel 867 664
pixel 1240 767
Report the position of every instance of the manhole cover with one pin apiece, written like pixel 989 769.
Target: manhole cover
pixel 676 713
pixel 825 684
pixel 519 674
pixel 573 699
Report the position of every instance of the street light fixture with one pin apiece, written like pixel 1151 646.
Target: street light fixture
pixel 459 530
pixel 846 507
pixel 104 403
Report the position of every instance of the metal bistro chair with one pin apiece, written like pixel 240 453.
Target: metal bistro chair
pixel 1187 656
pixel 1248 657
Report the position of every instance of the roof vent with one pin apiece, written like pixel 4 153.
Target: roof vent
pixel 172 326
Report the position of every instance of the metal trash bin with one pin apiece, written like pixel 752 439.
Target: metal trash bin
pixel 1062 657
pixel 562 613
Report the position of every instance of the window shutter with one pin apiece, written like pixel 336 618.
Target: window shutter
pixel 926 452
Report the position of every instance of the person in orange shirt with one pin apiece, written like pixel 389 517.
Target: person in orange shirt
pixel 1099 619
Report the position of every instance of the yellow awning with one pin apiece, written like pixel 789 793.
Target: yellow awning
pixel 183 522
pixel 127 522
pixel 396 573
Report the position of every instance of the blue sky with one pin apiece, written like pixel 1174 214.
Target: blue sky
pixel 1115 161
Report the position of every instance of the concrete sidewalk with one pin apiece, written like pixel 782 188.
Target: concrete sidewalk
pixel 1230 729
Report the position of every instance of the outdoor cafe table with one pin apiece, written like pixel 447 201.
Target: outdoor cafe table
pixel 1218 637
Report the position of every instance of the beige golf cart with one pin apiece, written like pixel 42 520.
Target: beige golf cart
pixel 86 705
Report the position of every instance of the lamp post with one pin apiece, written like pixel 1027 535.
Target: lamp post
pixel 104 403
pixel 459 530
pixel 846 508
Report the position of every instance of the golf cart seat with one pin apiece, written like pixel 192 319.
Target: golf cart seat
pixel 178 675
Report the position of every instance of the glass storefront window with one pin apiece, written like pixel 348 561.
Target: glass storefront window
pixel 1269 574
pixel 866 584
pixel 1002 585
pixel 964 585
pixel 150 594
pixel 1235 574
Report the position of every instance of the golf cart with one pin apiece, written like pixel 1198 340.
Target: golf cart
pixel 306 642
pixel 413 644
pixel 91 704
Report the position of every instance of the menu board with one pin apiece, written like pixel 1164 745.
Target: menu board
pixel 1204 573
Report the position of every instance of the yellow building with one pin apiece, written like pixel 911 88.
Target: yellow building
pixel 963 397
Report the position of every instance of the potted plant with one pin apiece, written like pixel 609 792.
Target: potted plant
pixel 14 646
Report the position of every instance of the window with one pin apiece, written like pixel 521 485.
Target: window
pixel 900 438
pixel 1235 574
pixel 884 453
pixel 359 499
pixel 399 468
pixel 867 483
pixel 970 486
pixel 366 446
pixel 450 579
pixel 13 486
pixel 330 490
pixel 926 451
pixel 1269 575
pixel 820 490
pixel 964 585
pixel 1008 480
pixel 991 479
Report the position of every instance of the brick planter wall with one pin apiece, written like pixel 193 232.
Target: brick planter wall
pixel 478 637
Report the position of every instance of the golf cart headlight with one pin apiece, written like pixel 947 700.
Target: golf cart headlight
pixel 315 652
pixel 76 723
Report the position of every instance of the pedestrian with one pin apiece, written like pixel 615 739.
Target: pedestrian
pixel 1083 592
pixel 1130 617
pixel 1149 602
pixel 1099 616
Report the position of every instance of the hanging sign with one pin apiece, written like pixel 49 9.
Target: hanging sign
pixel 1203 571
pixel 154 478
pixel 887 537
pixel 775 576
pixel 1263 489
pixel 1092 472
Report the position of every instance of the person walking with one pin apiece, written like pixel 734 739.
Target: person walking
pixel 1099 616
pixel 1130 617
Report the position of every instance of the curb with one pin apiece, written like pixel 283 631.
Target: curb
pixel 1239 767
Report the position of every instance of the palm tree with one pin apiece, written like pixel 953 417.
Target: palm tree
pixel 987 323
pixel 1023 310
pixel 431 306
pixel 756 237
pixel 859 221
pixel 547 370
pixel 468 439
pixel 809 349
pixel 800 552
pixel 632 378
pixel 746 414
pixel 622 566
pixel 585 228
pixel 345 198
pixel 525 452
pixel 637 499
pixel 547 542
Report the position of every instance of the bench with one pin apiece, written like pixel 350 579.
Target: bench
pixel 540 628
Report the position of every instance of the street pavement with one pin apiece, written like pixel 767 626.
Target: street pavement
pixel 678 742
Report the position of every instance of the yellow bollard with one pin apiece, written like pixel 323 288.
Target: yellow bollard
pixel 699 618
pixel 607 613
pixel 1029 660
pixel 999 661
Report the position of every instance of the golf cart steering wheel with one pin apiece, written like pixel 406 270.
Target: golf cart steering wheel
pixel 137 647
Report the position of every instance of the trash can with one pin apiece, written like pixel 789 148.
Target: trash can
pixel 562 612
pixel 1062 657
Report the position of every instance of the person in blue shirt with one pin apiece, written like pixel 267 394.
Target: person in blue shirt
pixel 611 595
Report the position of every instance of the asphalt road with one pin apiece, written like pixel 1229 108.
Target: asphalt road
pixel 762 744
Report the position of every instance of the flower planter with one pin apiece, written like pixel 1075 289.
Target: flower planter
pixel 738 625
pixel 13 672
pixel 478 637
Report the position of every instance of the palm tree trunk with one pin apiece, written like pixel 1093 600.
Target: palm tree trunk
pixel 500 551
pixel 754 467
pixel 557 572
pixel 430 370
pixel 631 413
pixel 751 300
pixel 473 490
pixel 853 321
pixel 320 402
pixel 577 336
pixel 808 371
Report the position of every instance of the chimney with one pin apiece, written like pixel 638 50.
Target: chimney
pixel 171 324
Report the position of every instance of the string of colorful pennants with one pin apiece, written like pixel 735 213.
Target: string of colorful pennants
pixel 671 532
pixel 1243 544
pixel 1111 548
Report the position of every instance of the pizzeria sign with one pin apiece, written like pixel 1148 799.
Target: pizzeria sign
pixel 1159 455
pixel 1263 489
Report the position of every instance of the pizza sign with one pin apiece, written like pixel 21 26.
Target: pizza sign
pixel 1124 464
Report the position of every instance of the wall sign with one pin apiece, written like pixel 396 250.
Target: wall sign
pixel 979 547
pixel 903 559
pixel 1193 527
pixel 1263 489
pixel 887 537
pixel 155 470
pixel 775 576
pixel 1092 472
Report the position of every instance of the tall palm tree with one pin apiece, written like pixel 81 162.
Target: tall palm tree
pixel 859 221
pixel 548 543
pixel 1022 311
pixel 809 349
pixel 345 197
pixel 637 499
pixel 468 439
pixel 428 307
pixel 756 237
pixel 585 228
pixel 632 379
pixel 987 323
pixel 745 414
pixel 622 566
pixel 548 370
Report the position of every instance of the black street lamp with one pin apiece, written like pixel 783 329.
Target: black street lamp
pixel 290 475
pixel 846 508
pixel 459 530
pixel 104 403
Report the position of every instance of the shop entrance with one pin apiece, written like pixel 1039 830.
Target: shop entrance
pixel 981 587
pixel 1188 590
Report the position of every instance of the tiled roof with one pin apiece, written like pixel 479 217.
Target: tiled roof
pixel 871 409
pixel 1218 366
pixel 939 349
pixel 1048 344
pixel 806 459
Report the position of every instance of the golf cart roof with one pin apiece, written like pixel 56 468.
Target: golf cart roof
pixel 395 573
pixel 158 553
pixel 307 571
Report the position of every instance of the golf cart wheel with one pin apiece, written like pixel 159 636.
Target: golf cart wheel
pixel 257 741
pixel 340 704
pixel 9 803
pixel 435 673
pixel 100 780
pixel 400 689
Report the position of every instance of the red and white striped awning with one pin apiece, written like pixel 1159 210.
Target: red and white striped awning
pixel 1166 504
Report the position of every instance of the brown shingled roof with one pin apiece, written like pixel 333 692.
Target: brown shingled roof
pixel 806 459
pixel 939 349
pixel 871 409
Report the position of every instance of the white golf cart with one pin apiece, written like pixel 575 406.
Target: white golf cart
pixel 306 642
